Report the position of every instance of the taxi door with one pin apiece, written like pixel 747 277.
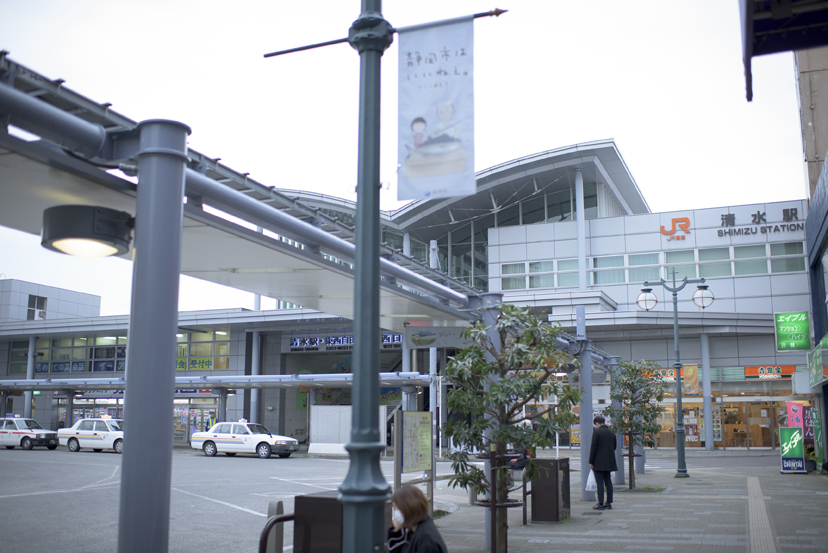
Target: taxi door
pixel 241 439
pixel 84 433
pixel 7 429
pixel 101 435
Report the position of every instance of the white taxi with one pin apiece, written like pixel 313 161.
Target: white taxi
pixel 25 433
pixel 242 437
pixel 94 434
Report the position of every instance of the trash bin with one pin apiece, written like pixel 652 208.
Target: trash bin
pixel 550 491
pixel 323 512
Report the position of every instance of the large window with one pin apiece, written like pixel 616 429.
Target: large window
pixel 37 308
pixel 608 276
pixel 787 257
pixel 744 265
pixel 203 351
pixel 645 267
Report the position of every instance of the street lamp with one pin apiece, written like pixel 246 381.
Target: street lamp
pixel 703 298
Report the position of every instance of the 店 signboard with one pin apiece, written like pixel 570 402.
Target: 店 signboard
pixel 817 370
pixel 793 331
pixel 792 450
pixel 770 372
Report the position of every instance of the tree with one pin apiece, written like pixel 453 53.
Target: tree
pixel 638 387
pixel 507 367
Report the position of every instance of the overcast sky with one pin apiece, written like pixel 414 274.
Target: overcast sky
pixel 664 79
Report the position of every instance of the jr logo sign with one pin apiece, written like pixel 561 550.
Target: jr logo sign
pixel 676 224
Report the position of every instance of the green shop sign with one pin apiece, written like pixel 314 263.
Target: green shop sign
pixel 793 331
pixel 817 370
pixel 792 450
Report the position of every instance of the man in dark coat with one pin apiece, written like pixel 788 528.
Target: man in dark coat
pixel 602 461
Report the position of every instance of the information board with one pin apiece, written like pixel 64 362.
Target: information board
pixel 416 441
pixel 792 450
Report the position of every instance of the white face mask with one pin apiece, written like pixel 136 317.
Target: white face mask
pixel 397 516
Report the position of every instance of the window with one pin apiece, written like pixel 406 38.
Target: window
pixel 36 304
pixel 533 211
pixel 608 277
pixel 513 283
pixel 751 267
pixel 100 426
pixel 559 206
pixel 239 429
pixel 718 269
pixel 513 268
pixel 568 279
pixel 541 280
pixel 787 264
pixel 642 274
pixel 509 216
pixel 541 266
pixel 680 256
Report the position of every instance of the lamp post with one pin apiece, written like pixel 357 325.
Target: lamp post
pixel 703 298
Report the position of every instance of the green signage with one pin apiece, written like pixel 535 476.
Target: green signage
pixel 792 450
pixel 817 421
pixel 793 331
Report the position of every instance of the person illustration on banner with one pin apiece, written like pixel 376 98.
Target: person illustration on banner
pixel 418 127
pixel 442 153
pixel 602 461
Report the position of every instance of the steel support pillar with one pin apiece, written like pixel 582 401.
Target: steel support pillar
pixel 30 367
pixel 150 381
pixel 586 416
pixel 707 393
pixel 580 213
pixel 364 491
pixel 254 370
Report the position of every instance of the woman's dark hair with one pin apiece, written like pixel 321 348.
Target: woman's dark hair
pixel 412 503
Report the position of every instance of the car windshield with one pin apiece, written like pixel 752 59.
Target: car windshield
pixel 258 429
pixel 116 425
pixel 31 423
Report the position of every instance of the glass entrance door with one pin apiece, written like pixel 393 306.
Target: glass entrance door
pixel 760 424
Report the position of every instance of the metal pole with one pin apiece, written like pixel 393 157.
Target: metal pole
pixel 364 491
pixel 707 392
pixel 619 438
pixel 30 367
pixel 144 518
pixel 586 417
pixel 682 467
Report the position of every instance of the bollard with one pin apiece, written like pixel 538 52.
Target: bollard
pixel 639 461
pixel 472 496
pixel 276 540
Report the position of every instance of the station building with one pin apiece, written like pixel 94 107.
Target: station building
pixel 558 230
pixel 519 237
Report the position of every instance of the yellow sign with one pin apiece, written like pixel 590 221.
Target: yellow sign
pixel 691 380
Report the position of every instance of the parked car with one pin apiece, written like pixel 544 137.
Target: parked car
pixel 26 433
pixel 95 434
pixel 242 437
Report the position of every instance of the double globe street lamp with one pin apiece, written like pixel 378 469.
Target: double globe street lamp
pixel 703 298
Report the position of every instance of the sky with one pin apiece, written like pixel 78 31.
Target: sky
pixel 664 79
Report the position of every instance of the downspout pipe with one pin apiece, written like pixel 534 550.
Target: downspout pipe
pixel 51 123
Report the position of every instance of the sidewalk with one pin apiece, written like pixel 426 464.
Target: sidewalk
pixel 741 504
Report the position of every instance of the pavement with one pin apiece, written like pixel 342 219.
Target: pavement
pixel 733 501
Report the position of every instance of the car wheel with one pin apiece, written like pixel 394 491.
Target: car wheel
pixel 26 443
pixel 73 445
pixel 263 450
pixel 210 449
pixel 284 455
pixel 51 447
pixel 118 446
pixel 230 453
pixel 97 450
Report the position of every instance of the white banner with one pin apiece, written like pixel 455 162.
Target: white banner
pixel 436 111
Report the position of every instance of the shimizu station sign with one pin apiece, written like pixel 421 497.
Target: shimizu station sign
pixel 730 226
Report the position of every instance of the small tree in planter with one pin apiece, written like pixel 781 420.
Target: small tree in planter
pixel 493 380
pixel 638 387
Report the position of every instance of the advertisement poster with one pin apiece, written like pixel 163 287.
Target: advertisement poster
pixel 820 454
pixel 793 331
pixel 717 421
pixel 416 441
pixel 691 380
pixel 691 433
pixel 436 111
pixel 792 450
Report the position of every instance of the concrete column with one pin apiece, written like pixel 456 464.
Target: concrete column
pixel 30 367
pixel 580 212
pixel 619 438
pixel 433 262
pixel 255 363
pixel 222 411
pixel 707 393
pixel 144 515
pixel 3 397
pixel 70 408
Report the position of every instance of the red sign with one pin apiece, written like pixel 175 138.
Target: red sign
pixel 770 372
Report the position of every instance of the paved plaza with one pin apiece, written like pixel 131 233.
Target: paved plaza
pixel 733 501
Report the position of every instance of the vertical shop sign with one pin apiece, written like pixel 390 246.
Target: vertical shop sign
pixel 690 374
pixel 435 147
pixel 817 370
pixel 817 420
pixel 793 331
pixel 792 450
